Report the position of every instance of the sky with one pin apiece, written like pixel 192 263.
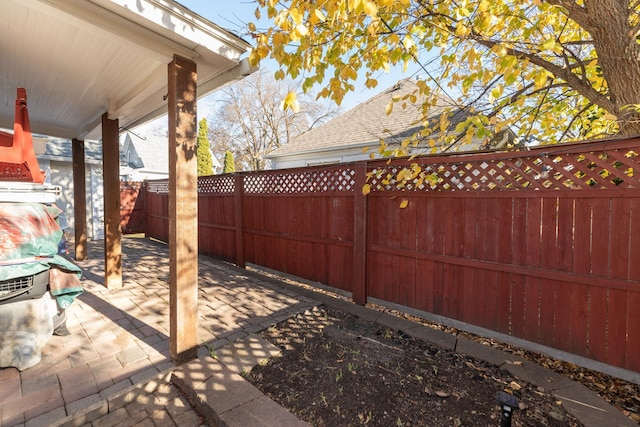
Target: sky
pixel 233 14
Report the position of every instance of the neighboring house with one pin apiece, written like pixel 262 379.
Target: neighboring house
pixel 143 157
pixel 146 157
pixel 55 158
pixel 355 134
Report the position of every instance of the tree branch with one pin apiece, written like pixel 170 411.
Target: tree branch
pixel 574 11
pixel 575 117
pixel 559 72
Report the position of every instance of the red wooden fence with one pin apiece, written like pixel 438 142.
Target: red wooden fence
pixel 538 244
pixel 133 215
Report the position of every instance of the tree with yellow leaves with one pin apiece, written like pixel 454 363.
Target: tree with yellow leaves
pixel 554 70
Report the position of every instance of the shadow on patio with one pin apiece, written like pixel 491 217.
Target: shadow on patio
pixel 120 338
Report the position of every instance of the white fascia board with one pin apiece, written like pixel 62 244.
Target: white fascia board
pixel 232 75
pixel 179 21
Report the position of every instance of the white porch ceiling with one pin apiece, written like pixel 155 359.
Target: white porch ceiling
pixel 78 59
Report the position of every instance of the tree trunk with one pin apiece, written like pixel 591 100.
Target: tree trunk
pixel 619 55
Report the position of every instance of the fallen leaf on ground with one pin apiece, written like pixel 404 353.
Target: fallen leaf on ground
pixel 514 386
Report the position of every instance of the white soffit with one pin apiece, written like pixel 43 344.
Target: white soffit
pixel 78 59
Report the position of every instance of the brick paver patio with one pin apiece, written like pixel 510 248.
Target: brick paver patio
pixel 120 338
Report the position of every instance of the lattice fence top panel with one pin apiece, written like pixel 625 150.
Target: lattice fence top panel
pixel 550 168
pixel 217 184
pixel 585 166
pixel 158 186
pixel 131 185
pixel 302 181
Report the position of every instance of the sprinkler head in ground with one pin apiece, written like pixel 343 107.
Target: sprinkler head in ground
pixel 508 403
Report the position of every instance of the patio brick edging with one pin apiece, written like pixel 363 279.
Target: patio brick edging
pixel 95 409
pixel 217 390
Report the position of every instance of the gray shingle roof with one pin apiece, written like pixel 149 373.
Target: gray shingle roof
pixel 152 151
pixel 366 124
pixel 60 149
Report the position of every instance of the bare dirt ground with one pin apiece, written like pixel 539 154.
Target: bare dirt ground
pixel 338 370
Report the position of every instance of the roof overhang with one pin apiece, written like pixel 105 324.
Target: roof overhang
pixel 80 59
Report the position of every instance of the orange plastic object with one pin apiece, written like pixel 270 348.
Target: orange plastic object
pixel 17 157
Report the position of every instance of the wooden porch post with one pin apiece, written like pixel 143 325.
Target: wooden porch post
pixel 111 181
pixel 183 210
pixel 79 199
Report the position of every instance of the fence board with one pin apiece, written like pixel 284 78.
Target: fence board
pixel 439 220
pixel 582 236
pixel 600 237
pixel 481 235
pixel 617 327
pixel 391 285
pixel 634 241
pixel 456 289
pixel 478 301
pixel 620 238
pixel 424 285
pixel 632 360
pixel 407 282
pixel 518 303
pixel 598 306
pixel 563 314
pixel 375 228
pixel 532 310
pixel 469 229
pixel 459 220
pixel 502 314
pixel 400 225
pixel 578 320
pixel 491 304
pixel 548 310
pixel 519 237
pixel 565 234
pixel 340 262
pixel 549 249
pixel 448 292
pixel 504 231
pixel 438 286
pixel 375 280
pixel 425 224
pixel 533 233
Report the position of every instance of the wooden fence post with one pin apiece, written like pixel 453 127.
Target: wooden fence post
pixel 359 293
pixel 239 194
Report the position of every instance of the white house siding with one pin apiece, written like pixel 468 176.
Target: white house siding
pixel 60 173
pixel 321 157
pixel 96 200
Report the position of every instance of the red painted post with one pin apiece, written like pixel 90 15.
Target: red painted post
pixel 359 293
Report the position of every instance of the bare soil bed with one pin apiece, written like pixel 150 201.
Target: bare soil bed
pixel 338 370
